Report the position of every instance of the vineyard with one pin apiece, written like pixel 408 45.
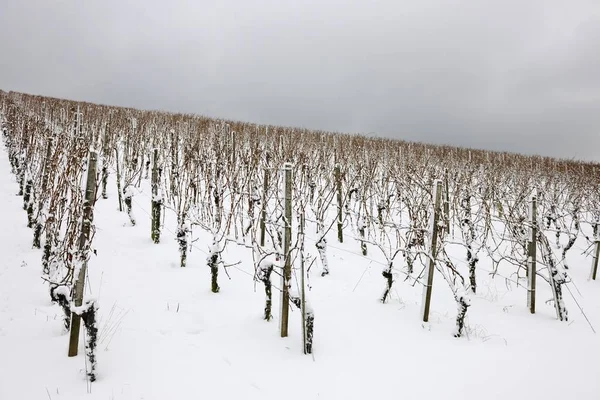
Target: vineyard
pixel 140 222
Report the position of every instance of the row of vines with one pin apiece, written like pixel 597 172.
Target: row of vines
pixel 266 188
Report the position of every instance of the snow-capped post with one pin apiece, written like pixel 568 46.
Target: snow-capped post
pixel 302 281
pixel 531 259
pixel 281 146
pixel 233 147
pixel 174 161
pixel 338 184
pixel 307 313
pixel 118 179
pixel 597 251
pixel 446 203
pixel 263 213
pixel 86 224
pixel 105 158
pixel 233 160
pixel 287 241
pixel 155 234
pixel 437 194
pixel 141 175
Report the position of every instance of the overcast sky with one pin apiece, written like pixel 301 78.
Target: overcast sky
pixel 517 75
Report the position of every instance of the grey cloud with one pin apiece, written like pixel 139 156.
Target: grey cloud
pixel 503 75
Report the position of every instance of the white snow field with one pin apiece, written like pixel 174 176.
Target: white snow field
pixel 165 335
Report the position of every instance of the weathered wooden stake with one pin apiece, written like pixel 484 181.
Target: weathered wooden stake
pixel 531 259
pixel 287 241
pixel 119 180
pixel 263 213
pixel 88 205
pixel 143 156
pixel 437 194
pixel 233 149
pixel 446 203
pixel 303 285
pixel 596 252
pixel 338 184
pixel 174 162
pixel 105 157
pixel 233 162
pixel 156 202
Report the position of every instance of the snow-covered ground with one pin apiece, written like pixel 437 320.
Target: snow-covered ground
pixel 164 335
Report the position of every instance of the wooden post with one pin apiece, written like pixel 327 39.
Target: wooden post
pixel 88 205
pixel 105 157
pixel 174 162
pixel 233 161
pixel 595 260
pixel 119 179
pixel 104 174
pixel 597 251
pixel 141 164
pixel 281 146
pixel 233 149
pixel 437 194
pixel 47 161
pixel 303 284
pixel 338 184
pixel 263 213
pixel 155 226
pixel 531 259
pixel 446 203
pixel 287 241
